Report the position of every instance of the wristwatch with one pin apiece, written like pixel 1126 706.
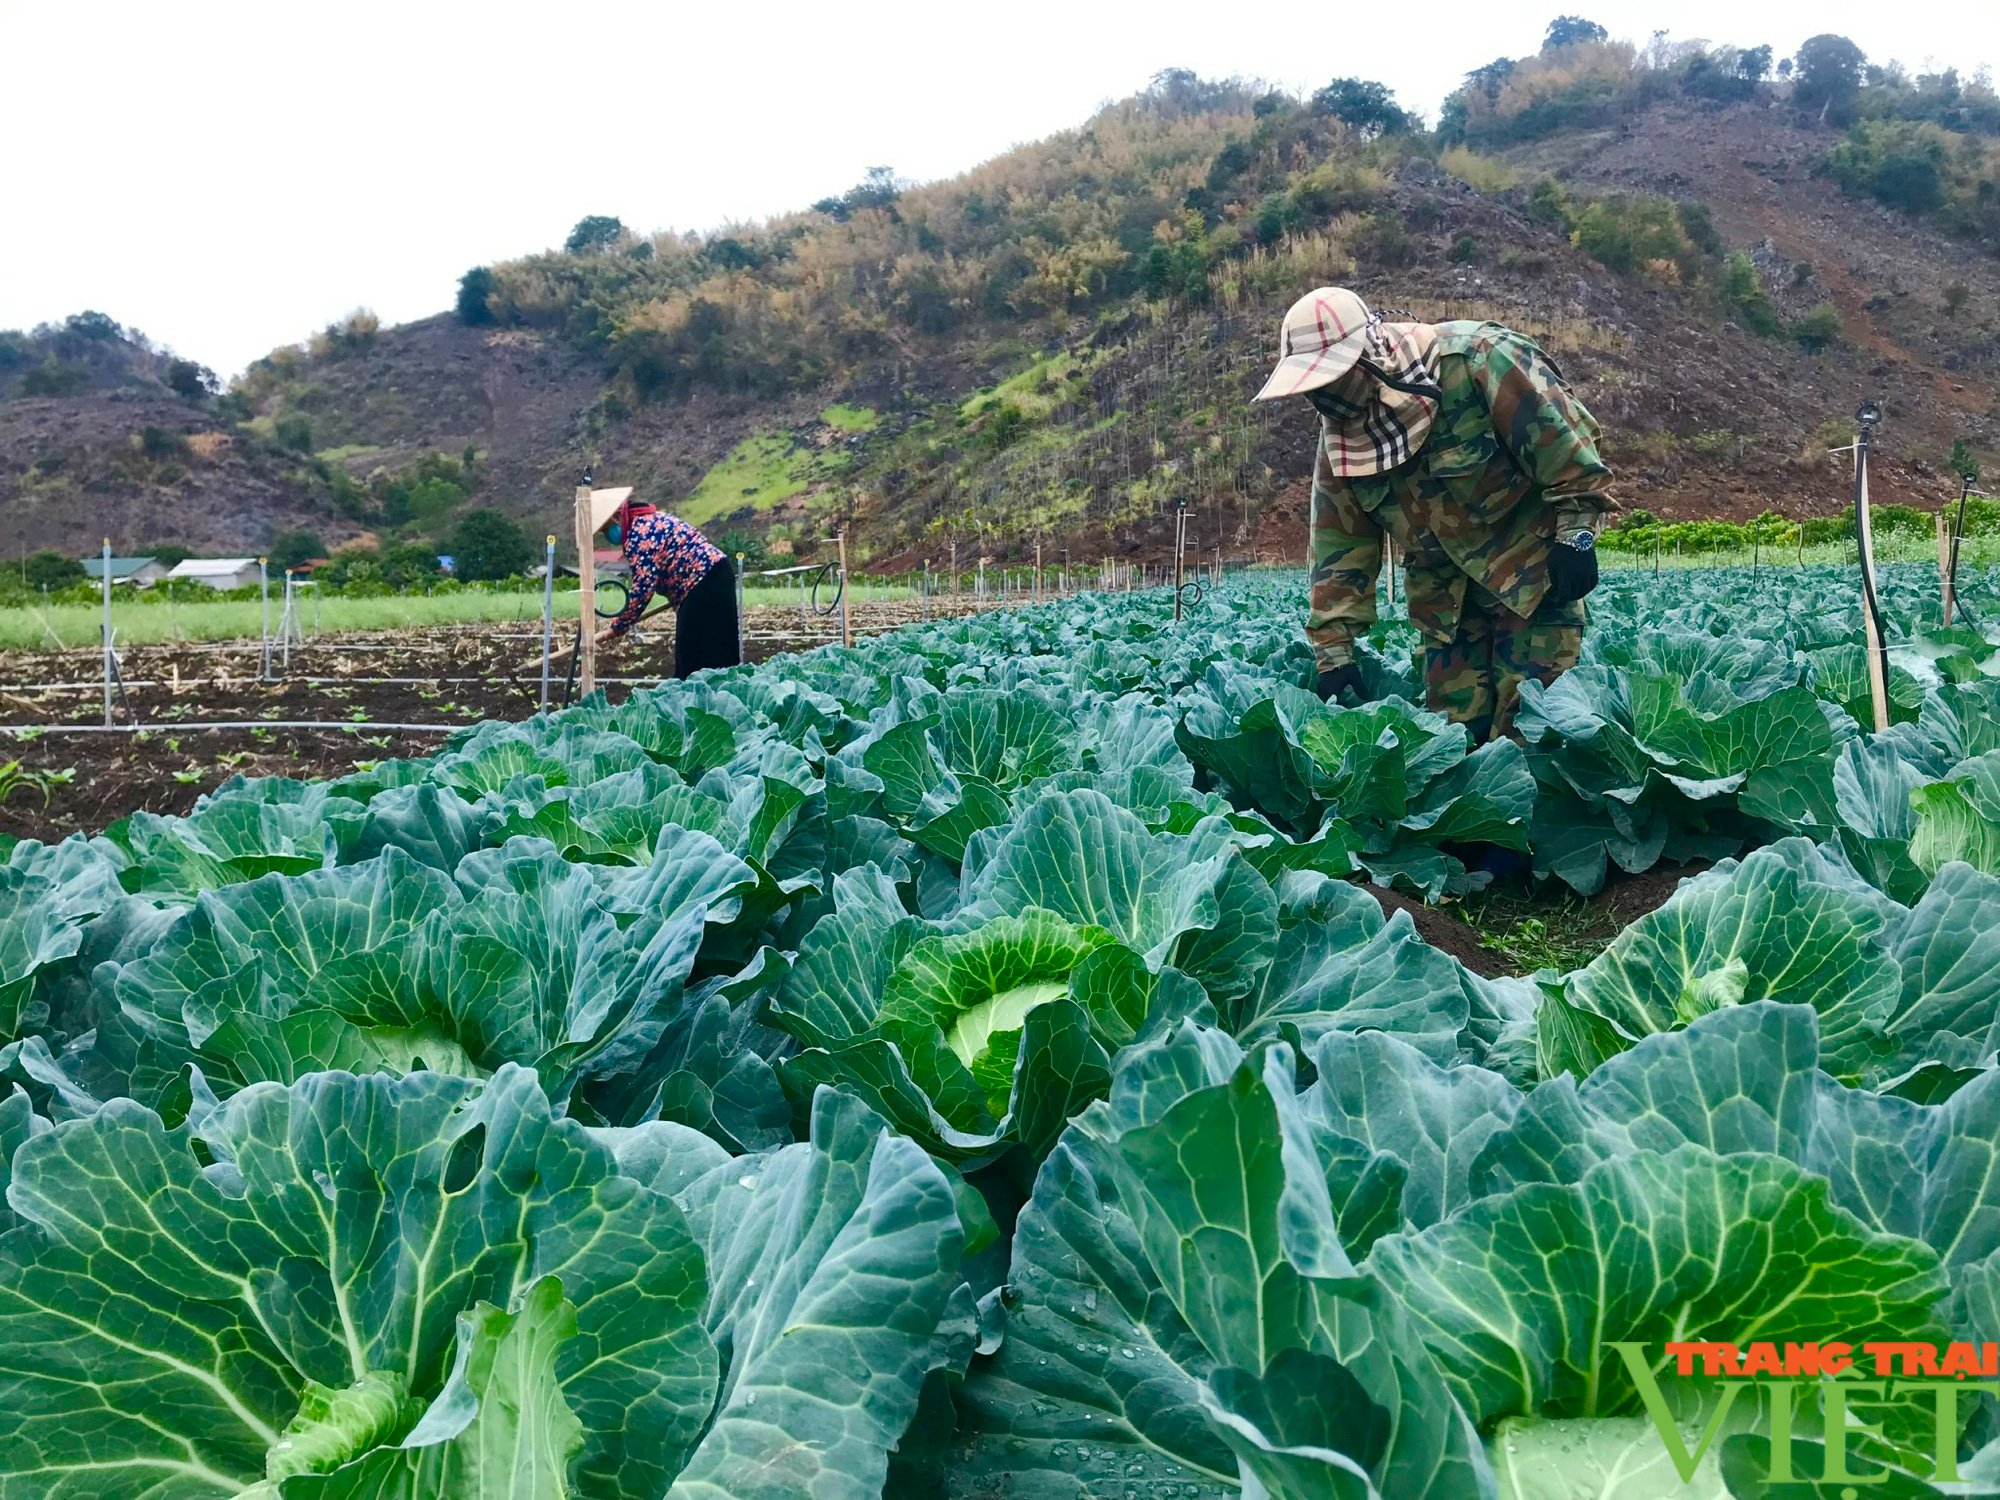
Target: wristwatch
pixel 1582 541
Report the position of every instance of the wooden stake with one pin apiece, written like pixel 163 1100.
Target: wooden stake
pixel 586 599
pixel 1944 566
pixel 1038 570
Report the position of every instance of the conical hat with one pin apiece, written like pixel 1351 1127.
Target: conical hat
pixel 604 505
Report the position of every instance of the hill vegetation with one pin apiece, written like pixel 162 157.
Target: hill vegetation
pixel 1061 340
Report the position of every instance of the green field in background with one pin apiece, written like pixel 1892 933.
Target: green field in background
pixel 153 623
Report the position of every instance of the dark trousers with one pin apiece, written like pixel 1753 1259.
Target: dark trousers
pixel 705 623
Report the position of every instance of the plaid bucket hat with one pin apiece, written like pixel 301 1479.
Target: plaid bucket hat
pixel 1326 334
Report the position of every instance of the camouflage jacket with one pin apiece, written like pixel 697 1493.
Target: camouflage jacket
pixel 1510 457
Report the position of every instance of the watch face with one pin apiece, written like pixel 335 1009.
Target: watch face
pixel 1583 541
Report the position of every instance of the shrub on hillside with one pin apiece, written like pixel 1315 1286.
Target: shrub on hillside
pixel 1367 108
pixel 1480 172
pixel 1629 233
pixel 190 381
pixel 1923 169
pixel 593 232
pixel 474 287
pixel 345 336
pixel 1826 75
pixel 157 443
pixel 53 378
pixel 1744 297
pixel 1381 241
pixel 1821 328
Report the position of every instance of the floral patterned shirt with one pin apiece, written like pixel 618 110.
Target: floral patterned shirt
pixel 667 556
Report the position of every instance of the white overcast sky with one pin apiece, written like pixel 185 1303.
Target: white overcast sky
pixel 228 176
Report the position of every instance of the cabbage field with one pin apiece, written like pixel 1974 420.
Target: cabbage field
pixel 970 1064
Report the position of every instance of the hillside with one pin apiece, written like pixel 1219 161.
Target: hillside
pixel 1063 341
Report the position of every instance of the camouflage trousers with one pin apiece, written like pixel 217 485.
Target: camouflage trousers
pixel 1476 680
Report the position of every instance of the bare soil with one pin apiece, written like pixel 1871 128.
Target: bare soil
pixel 447 679
pixel 1626 898
pixel 1444 931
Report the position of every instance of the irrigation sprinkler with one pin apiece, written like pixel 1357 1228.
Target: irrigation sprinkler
pixel 548 614
pixel 107 630
pixel 846 624
pixel 1866 416
pixel 264 590
pixel 288 623
pixel 739 608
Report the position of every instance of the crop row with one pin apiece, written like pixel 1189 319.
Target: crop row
pixel 965 1064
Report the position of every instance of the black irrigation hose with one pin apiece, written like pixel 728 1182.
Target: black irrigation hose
pixel 840 591
pixel 624 598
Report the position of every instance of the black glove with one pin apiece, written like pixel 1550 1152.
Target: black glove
pixel 1340 680
pixel 1572 572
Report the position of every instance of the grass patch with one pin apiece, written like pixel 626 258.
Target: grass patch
pixel 151 624
pixel 241 619
pixel 851 418
pixel 1035 392
pixel 1531 931
pixel 765 469
pixel 348 453
pixel 1482 173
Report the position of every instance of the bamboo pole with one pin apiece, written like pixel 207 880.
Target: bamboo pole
pixel 1864 548
pixel 264 588
pixel 1038 570
pixel 1965 492
pixel 586 602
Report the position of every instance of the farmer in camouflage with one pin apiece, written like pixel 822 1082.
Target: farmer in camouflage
pixel 1460 441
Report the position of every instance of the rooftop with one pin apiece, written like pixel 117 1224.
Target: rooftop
pixel 121 567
